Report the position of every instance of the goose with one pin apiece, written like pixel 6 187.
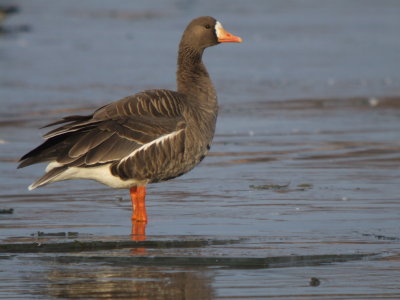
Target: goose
pixel 149 137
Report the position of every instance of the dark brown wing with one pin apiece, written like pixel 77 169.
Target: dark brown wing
pixel 112 132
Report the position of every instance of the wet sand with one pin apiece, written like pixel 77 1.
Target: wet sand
pixel 298 198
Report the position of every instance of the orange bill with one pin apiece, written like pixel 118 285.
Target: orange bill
pixel 224 36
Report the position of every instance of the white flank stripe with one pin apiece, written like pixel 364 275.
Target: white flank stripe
pixel 159 140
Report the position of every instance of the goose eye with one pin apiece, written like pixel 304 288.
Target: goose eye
pixel 207 26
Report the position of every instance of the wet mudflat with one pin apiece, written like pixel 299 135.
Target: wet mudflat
pixel 299 197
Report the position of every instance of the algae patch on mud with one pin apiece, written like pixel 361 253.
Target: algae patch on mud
pixel 282 188
pixel 6 211
pixel 94 245
pixel 229 262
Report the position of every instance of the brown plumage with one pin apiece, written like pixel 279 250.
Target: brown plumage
pixel 148 137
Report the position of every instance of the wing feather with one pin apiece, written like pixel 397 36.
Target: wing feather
pixel 113 131
pixel 87 141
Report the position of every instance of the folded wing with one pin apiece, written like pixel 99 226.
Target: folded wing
pixel 111 133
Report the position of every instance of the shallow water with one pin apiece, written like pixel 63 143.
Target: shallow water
pixel 305 159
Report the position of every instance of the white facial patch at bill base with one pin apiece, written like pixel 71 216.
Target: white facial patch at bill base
pixel 218 29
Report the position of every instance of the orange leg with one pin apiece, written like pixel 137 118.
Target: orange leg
pixel 138 231
pixel 138 195
pixel 139 216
